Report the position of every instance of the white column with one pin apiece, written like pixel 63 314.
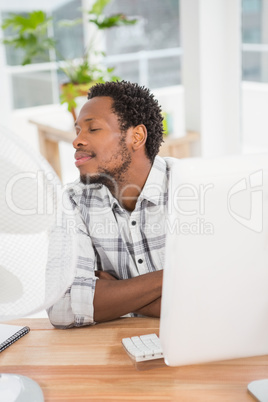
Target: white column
pixel 211 71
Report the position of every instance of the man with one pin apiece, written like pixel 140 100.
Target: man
pixel 122 201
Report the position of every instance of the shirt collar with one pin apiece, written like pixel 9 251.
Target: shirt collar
pixel 77 189
pixel 154 187
pixel 156 183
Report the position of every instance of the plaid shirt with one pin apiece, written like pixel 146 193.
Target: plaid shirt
pixel 114 240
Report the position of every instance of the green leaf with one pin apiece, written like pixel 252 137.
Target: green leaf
pixel 115 78
pixel 30 22
pixel 26 60
pixel 29 34
pixel 68 95
pixel 79 74
pixel 99 6
pixel 116 20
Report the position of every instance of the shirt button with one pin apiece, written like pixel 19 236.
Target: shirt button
pixel 140 261
pixel 133 223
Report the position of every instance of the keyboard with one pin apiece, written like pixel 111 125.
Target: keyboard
pixel 143 348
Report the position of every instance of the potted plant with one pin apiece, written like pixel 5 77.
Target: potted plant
pixel 81 77
pixel 29 34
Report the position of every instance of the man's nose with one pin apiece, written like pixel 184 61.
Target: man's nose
pixel 80 140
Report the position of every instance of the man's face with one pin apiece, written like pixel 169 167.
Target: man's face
pixel 103 152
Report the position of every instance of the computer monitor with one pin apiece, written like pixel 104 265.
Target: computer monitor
pixel 215 287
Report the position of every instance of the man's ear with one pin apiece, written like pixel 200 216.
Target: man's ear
pixel 139 137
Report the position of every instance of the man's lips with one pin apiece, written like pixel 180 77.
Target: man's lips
pixel 82 157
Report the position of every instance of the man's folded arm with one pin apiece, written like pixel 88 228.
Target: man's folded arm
pixel 81 305
pixel 113 299
pixel 151 310
pixel 90 300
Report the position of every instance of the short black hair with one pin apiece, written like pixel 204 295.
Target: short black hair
pixel 134 105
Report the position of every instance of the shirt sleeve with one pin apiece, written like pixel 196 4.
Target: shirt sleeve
pixel 75 307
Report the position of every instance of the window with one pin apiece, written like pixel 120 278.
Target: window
pixel 148 52
pixel 255 40
pixel 38 83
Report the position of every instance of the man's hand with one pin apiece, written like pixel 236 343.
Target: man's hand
pixel 114 298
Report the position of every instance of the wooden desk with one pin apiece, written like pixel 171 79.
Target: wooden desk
pixel 89 364
pixel 62 130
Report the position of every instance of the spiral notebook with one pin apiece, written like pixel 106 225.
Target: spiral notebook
pixel 10 334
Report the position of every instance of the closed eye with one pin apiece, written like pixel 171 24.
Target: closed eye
pixel 94 129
